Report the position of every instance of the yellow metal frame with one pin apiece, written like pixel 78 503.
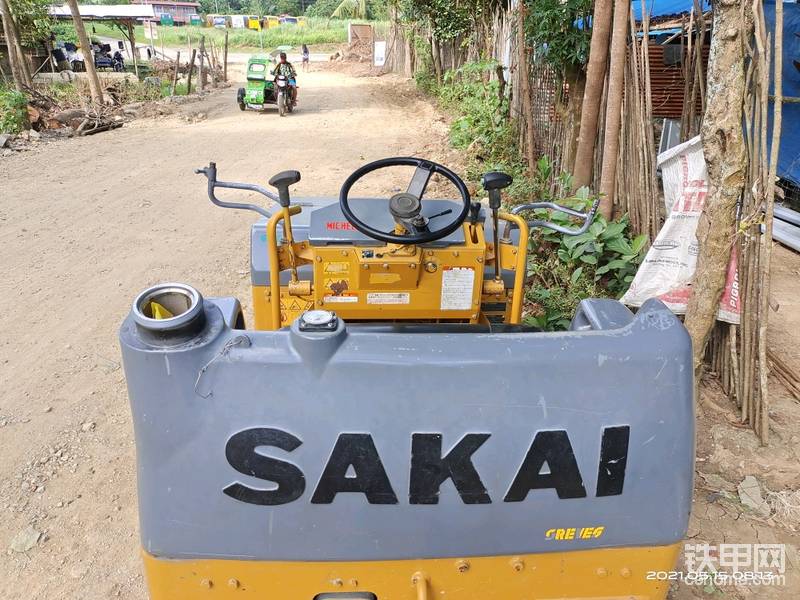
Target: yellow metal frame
pixel 352 280
pixel 608 573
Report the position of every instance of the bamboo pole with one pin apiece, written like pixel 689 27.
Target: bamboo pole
pixel 202 74
pixel 191 70
pixel 175 75
pixel 225 59
pixel 769 206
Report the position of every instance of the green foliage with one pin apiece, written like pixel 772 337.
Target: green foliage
pixel 13 111
pixel 482 127
pixel 566 269
pixel 562 270
pixel 446 19
pixel 65 32
pixel 351 9
pixel 375 9
pixel 33 20
pixel 65 94
pixel 552 31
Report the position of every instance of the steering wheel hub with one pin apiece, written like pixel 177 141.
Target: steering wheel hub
pixel 404 205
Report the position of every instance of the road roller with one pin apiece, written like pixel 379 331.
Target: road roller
pixel 383 425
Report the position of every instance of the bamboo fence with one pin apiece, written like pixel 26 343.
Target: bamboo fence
pixel 738 353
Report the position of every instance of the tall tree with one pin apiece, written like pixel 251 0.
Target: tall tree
pixel 15 56
pixel 593 92
pixel 88 55
pixel 616 81
pixel 726 159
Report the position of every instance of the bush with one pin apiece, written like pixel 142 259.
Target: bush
pixel 562 270
pixel 13 111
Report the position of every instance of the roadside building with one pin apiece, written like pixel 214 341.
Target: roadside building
pixel 181 12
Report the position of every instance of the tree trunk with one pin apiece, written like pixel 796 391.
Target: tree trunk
pixel 88 55
pixel 593 93
pixel 436 57
pixel 726 159
pixel 12 56
pixel 577 83
pixel 12 41
pixel 524 75
pixel 616 81
pixel 23 62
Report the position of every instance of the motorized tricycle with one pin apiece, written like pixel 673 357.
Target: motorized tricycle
pixel 262 89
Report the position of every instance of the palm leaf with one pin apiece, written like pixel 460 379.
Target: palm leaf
pixel 351 9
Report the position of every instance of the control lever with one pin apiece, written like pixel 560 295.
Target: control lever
pixel 211 174
pixel 493 182
pixel 282 181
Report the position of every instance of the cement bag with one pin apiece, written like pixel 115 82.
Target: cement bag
pixel 668 268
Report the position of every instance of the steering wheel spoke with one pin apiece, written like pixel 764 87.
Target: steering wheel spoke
pixel 419 181
pixel 406 206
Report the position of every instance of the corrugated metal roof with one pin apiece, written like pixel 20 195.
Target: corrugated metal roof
pixel 101 11
pixel 666 83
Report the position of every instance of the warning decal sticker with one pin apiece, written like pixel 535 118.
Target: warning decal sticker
pixel 457 286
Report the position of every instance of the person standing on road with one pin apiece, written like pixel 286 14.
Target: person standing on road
pixel 306 58
pixel 285 68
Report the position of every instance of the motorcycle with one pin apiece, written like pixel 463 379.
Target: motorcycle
pixel 118 62
pixel 285 95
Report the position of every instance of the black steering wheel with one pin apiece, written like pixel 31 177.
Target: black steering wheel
pixel 406 206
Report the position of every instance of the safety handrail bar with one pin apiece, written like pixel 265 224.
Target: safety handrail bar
pixel 211 174
pixel 586 217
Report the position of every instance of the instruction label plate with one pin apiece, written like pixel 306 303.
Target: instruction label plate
pixel 340 299
pixel 457 286
pixel 388 298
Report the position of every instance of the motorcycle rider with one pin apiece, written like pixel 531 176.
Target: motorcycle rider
pixel 285 68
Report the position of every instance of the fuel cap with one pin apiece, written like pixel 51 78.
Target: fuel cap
pixel 318 320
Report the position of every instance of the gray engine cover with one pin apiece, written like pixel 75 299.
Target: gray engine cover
pixel 189 400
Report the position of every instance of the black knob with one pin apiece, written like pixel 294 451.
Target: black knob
pixel 282 181
pixel 474 212
pixel 496 180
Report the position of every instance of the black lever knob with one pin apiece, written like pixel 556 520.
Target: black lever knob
pixel 474 212
pixel 496 180
pixel 493 182
pixel 282 181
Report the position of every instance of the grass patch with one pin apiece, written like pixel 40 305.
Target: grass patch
pixel 13 111
pixel 317 32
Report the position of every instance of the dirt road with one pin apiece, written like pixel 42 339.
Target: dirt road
pixel 87 223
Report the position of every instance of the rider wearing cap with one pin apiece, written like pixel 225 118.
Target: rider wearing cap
pixel 285 68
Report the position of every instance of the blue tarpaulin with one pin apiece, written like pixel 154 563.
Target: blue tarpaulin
pixel 666 8
pixel 789 155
